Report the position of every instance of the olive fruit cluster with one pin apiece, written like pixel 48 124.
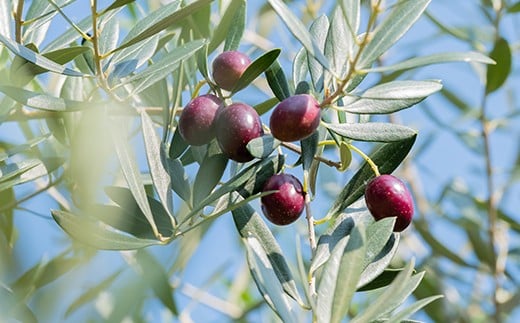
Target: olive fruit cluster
pixel 206 117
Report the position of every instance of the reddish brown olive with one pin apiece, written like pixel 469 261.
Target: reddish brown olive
pixel 387 196
pixel 228 67
pixel 286 205
pixel 196 123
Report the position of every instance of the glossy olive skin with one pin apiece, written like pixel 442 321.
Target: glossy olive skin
pixel 228 67
pixel 295 118
pixel 285 206
pixel 387 196
pixel 236 125
pixel 196 123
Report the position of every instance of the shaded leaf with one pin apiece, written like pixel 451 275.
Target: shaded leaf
pixel 180 180
pixel 257 67
pixel 277 81
pixel 497 74
pixel 263 146
pixel 309 147
pixel 373 131
pixel 209 174
pixel 383 279
pixel 116 4
pixel 265 106
pixel 177 145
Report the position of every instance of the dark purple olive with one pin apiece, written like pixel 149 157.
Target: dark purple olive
pixel 387 196
pixel 196 123
pixel 228 67
pixel 286 205
pixel 236 125
pixel 295 118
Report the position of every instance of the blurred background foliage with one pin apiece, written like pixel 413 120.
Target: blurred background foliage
pixel 463 171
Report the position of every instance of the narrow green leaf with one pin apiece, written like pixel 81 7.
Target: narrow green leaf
pixel 277 81
pixel 297 28
pixel 352 12
pixel 226 21
pixel 165 22
pixel 385 278
pixel 300 67
pixel 372 274
pixel 202 62
pixel 131 58
pixel 318 32
pixel 391 29
pixel 97 235
pixel 157 278
pixel 345 156
pixel 209 174
pixel 349 271
pixel 109 35
pixel 373 131
pixel 177 145
pixel 130 170
pixel 497 74
pixel 43 101
pixel 263 146
pixel 155 154
pixel 162 68
pixel 433 59
pixel 393 296
pixel 514 8
pixel 257 67
pixel 236 30
pixel 248 224
pixel 37 59
pixel 391 97
pixel 92 293
pixel 309 147
pixel 338 46
pixel 412 309
pixel 20 172
pixel 116 4
pixel 388 157
pixel 180 180
pixel 267 281
pixel 23 147
pixel 265 106
pixel 13 308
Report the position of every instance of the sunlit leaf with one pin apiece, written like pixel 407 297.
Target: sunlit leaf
pixel 165 22
pixel 236 30
pixel 297 28
pixel 116 4
pixel 390 97
pixel 37 59
pixel 373 131
pixel 225 24
pixel 318 32
pixel 391 29
pixel 433 59
pixel 5 17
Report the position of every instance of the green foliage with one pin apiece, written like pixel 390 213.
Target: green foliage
pixel 99 117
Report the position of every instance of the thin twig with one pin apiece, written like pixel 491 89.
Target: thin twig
pixel 298 150
pixel 18 19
